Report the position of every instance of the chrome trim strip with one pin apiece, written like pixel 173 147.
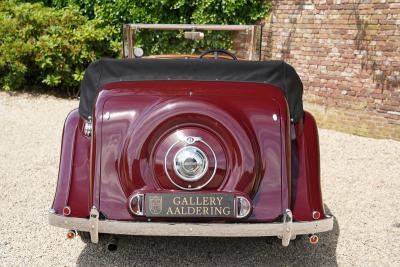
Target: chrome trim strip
pixel 215 163
pixel 193 229
pixel 88 127
pixel 200 27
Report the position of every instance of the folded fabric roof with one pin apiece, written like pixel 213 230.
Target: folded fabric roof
pixel 277 73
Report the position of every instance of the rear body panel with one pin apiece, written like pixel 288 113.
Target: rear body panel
pixel 135 123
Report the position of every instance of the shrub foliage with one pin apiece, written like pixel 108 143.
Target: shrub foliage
pixel 44 47
pixel 49 43
pixel 118 12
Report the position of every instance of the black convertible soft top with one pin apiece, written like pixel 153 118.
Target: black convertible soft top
pixel 277 73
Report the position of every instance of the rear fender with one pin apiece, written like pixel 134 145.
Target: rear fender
pixel 306 185
pixel 73 185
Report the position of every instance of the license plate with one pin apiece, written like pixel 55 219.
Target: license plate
pixel 189 205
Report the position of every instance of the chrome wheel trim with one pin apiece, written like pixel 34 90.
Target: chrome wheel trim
pixel 196 177
pixel 191 188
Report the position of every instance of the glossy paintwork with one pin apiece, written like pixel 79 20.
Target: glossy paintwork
pixel 73 177
pixel 134 124
pixel 170 141
pixel 308 190
pixel 137 118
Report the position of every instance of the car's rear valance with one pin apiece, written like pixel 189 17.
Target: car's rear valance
pixel 277 73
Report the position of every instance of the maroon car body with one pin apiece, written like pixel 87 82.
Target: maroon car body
pixel 118 166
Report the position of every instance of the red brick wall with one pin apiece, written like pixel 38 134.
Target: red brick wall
pixel 347 53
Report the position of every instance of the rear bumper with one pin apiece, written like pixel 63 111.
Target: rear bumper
pixel 286 229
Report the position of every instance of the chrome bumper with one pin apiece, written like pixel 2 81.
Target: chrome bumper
pixel 286 230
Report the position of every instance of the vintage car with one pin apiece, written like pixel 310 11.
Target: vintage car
pixel 188 146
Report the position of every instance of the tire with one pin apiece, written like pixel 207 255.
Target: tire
pixel 85 237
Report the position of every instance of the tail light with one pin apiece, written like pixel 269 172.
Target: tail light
pixel 66 210
pixel 316 215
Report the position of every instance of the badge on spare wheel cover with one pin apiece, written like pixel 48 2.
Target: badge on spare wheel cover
pixel 190 139
pixel 155 204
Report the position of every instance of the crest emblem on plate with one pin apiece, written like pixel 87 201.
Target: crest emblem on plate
pixel 155 204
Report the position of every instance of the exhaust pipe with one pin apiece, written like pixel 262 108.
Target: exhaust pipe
pixel 313 239
pixel 71 234
pixel 112 244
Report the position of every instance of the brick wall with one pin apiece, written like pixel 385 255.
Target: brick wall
pixel 347 52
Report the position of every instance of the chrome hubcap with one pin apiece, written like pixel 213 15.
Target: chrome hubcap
pixel 190 163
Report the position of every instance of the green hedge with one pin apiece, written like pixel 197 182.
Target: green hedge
pixel 48 44
pixel 42 47
pixel 118 12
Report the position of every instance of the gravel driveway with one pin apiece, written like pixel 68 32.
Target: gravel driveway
pixel 361 187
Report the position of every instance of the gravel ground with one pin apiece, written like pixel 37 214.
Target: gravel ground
pixel 361 187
